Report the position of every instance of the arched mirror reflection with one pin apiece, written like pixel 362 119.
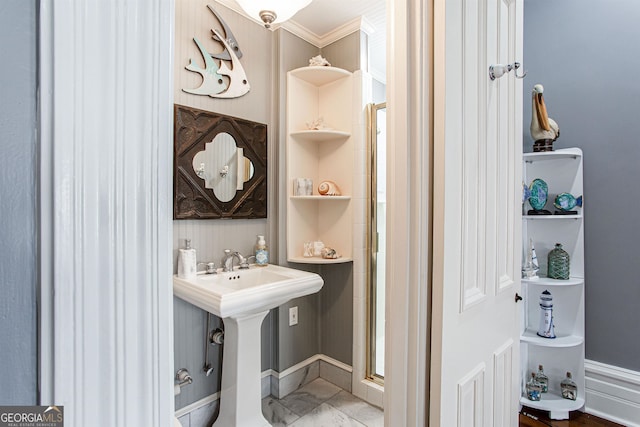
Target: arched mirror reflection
pixel 223 166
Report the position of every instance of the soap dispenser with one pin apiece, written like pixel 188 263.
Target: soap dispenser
pixel 187 264
pixel 262 252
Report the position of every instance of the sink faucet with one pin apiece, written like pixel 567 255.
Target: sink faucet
pixel 227 260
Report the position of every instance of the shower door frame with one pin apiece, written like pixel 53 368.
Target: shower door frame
pixel 372 245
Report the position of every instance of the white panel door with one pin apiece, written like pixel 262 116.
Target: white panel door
pixel 477 185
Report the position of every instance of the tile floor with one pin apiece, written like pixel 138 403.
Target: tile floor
pixel 321 404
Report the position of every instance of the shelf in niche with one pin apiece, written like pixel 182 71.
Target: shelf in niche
pixel 545 281
pixel 318 260
pixel 320 198
pixel 326 92
pixel 553 402
pixel 565 153
pixel 320 135
pixel 319 75
pixel 551 217
pixel 561 341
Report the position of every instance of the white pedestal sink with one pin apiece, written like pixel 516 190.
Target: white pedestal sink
pixel 243 298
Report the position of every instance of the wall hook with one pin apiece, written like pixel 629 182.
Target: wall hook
pixel 499 70
pixel 224 171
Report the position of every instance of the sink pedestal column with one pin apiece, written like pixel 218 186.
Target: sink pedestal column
pixel 241 393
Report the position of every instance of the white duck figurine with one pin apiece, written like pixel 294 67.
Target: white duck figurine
pixel 543 129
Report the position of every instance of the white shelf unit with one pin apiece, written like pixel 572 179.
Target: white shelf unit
pixel 325 154
pixel 562 171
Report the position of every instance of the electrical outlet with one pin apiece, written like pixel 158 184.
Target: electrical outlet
pixel 293 316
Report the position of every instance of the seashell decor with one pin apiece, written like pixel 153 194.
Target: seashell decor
pixel 329 188
pixel 317 124
pixel 319 60
pixel 329 253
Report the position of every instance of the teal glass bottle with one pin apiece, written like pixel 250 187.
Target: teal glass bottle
pixel 558 263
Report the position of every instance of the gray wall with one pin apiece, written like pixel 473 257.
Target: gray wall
pixel 586 56
pixel 336 312
pixel 293 343
pixel 19 195
pixel 348 52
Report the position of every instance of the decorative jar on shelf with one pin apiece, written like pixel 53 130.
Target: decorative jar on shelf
pixel 569 388
pixel 542 379
pixel 558 263
pixel 534 389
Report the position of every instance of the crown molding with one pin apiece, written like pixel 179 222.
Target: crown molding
pixel 305 34
pixel 356 24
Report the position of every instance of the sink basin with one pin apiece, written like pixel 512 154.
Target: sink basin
pixel 243 298
pixel 243 292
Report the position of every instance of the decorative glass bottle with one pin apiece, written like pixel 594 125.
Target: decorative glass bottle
pixel 558 263
pixel 569 388
pixel 530 268
pixel 542 379
pixel 534 389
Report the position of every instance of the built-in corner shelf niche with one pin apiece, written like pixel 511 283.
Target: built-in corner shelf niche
pixel 562 171
pixel 324 154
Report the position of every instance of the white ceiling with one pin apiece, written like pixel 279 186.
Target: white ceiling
pixel 322 17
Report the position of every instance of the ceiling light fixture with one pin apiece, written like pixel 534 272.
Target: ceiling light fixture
pixel 272 11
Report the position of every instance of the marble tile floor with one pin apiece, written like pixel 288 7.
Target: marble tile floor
pixel 321 404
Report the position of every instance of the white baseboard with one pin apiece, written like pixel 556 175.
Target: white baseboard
pixel 272 376
pixel 197 404
pixel 318 365
pixel 612 393
pixel 309 361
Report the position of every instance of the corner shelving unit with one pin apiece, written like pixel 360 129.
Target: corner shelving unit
pixel 562 171
pixel 325 154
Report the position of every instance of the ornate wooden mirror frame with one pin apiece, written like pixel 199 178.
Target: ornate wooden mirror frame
pixel 193 129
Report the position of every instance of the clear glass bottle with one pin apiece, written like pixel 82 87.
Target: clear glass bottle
pixel 558 263
pixel 542 379
pixel 569 388
pixel 534 389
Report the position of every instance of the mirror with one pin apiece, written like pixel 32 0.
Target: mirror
pixel 223 166
pixel 220 166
